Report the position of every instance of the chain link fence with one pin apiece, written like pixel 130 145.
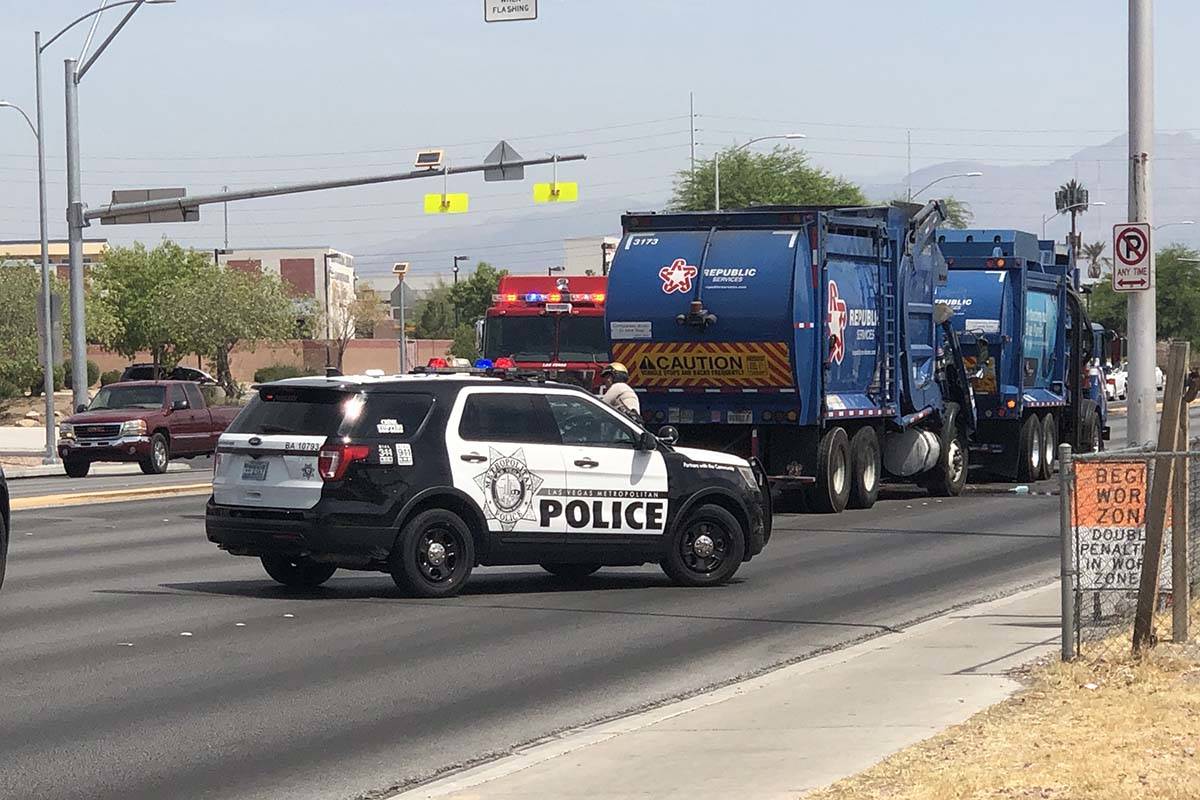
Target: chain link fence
pixel 1106 516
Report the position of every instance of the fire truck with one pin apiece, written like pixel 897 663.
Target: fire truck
pixel 550 324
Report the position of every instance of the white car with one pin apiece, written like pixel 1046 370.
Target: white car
pixel 1116 385
pixel 1160 380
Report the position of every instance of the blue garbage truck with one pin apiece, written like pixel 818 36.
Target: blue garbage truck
pixel 1038 367
pixel 805 336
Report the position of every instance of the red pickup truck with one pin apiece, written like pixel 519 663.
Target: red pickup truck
pixel 149 422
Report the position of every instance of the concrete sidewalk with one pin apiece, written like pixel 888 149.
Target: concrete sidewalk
pixel 18 441
pixel 792 730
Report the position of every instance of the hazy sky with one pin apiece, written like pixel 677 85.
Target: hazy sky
pixel 251 92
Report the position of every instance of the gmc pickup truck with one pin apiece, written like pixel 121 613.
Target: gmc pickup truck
pixel 149 422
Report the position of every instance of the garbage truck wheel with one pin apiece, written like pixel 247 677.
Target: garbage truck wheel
pixel 1029 450
pixel 831 492
pixel 949 477
pixel 865 468
pixel 1049 444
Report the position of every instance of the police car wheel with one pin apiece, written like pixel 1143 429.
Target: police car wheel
pixel 706 549
pixel 3 549
pixel 299 572
pixel 434 554
pixel 866 466
pixel 573 572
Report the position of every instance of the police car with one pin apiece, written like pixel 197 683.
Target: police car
pixel 427 476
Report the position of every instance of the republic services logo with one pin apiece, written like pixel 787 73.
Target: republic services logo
pixel 837 324
pixel 508 488
pixel 677 277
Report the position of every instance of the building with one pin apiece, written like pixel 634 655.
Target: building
pixel 588 255
pixel 31 250
pixel 322 274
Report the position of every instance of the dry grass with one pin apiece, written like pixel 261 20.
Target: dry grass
pixel 1101 731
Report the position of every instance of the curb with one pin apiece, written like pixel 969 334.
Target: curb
pixel 569 741
pixel 110 496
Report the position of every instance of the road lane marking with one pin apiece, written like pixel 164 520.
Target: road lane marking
pixel 108 496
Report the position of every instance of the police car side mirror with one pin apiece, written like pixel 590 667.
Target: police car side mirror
pixel 668 434
pixel 647 441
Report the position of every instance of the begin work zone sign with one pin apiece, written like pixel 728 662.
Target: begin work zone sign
pixel 1109 520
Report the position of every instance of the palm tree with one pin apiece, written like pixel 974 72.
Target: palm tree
pixel 1094 253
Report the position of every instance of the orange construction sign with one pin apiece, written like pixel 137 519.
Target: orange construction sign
pixel 1109 518
pixel 706 364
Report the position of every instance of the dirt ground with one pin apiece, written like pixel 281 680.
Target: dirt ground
pixel 1099 731
pixel 13 410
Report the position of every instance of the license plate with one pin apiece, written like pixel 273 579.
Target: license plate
pixel 255 470
pixel 740 417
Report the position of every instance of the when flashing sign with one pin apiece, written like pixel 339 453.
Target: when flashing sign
pixel 511 11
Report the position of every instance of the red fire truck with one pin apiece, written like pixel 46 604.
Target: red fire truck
pixel 552 324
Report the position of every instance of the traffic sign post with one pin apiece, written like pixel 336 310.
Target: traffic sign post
pixel 1131 262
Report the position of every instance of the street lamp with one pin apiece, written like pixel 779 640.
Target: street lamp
pixel 1046 218
pixel 717 161
pixel 911 195
pixel 456 260
pixel 74 204
pixel 1154 228
pixel 45 310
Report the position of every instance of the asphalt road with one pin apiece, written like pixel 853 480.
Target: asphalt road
pixel 354 688
pixel 199 470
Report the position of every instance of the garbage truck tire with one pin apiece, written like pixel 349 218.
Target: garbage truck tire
pixel 865 468
pixel 831 492
pixel 1029 450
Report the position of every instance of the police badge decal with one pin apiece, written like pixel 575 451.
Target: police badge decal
pixel 508 488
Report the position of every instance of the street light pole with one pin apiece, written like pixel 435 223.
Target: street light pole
pixel 717 161
pixel 456 260
pixel 47 323
pixel 912 194
pixel 1142 311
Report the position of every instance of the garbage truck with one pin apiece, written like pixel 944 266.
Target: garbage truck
pixel 1037 371
pixel 804 336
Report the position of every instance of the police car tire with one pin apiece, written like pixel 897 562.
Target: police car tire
pixel 571 572
pixel 866 467
pixel 414 573
pixel 1029 450
pixel 1049 445
pixel 833 454
pixel 297 573
pixel 682 564
pixel 3 548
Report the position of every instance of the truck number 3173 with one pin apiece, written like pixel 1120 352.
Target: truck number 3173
pixel 634 242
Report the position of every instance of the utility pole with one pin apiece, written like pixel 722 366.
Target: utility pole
pixel 1143 322
pixel 908 180
pixel 692 128
pixel 226 209
pixel 456 260
pixel 1074 247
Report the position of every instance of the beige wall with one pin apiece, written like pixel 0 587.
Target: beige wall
pixel 361 355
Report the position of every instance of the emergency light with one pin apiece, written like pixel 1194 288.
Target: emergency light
pixel 483 363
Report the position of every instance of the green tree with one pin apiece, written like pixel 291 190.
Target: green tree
pixel 435 317
pixel 20 363
pixel 472 296
pixel 220 309
pixel 140 289
pixel 783 176
pixel 1093 252
pixel 1178 297
pixel 958 214
pixel 464 343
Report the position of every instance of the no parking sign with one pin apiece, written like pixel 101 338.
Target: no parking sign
pixel 1131 264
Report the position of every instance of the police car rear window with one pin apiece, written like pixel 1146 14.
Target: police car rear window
pixel 311 411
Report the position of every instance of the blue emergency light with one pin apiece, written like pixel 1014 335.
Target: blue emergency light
pixel 483 363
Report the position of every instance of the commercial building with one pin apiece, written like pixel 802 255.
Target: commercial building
pixel 320 273
pixel 31 250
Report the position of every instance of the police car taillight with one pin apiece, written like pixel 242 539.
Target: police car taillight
pixel 334 459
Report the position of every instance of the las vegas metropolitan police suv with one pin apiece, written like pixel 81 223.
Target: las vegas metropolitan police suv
pixel 426 476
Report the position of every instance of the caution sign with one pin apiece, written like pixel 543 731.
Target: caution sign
pixel 706 364
pixel 1109 518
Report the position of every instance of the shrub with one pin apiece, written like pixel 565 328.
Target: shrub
pixel 9 390
pixel 35 388
pixel 111 376
pixel 93 373
pixel 278 372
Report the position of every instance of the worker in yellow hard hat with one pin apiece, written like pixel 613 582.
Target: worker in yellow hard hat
pixel 616 391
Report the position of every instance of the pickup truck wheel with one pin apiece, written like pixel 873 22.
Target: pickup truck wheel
pixel 865 468
pixel 434 554
pixel 76 467
pixel 831 492
pixel 1049 444
pixel 1029 450
pixel 298 573
pixel 571 572
pixel 160 456
pixel 706 548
